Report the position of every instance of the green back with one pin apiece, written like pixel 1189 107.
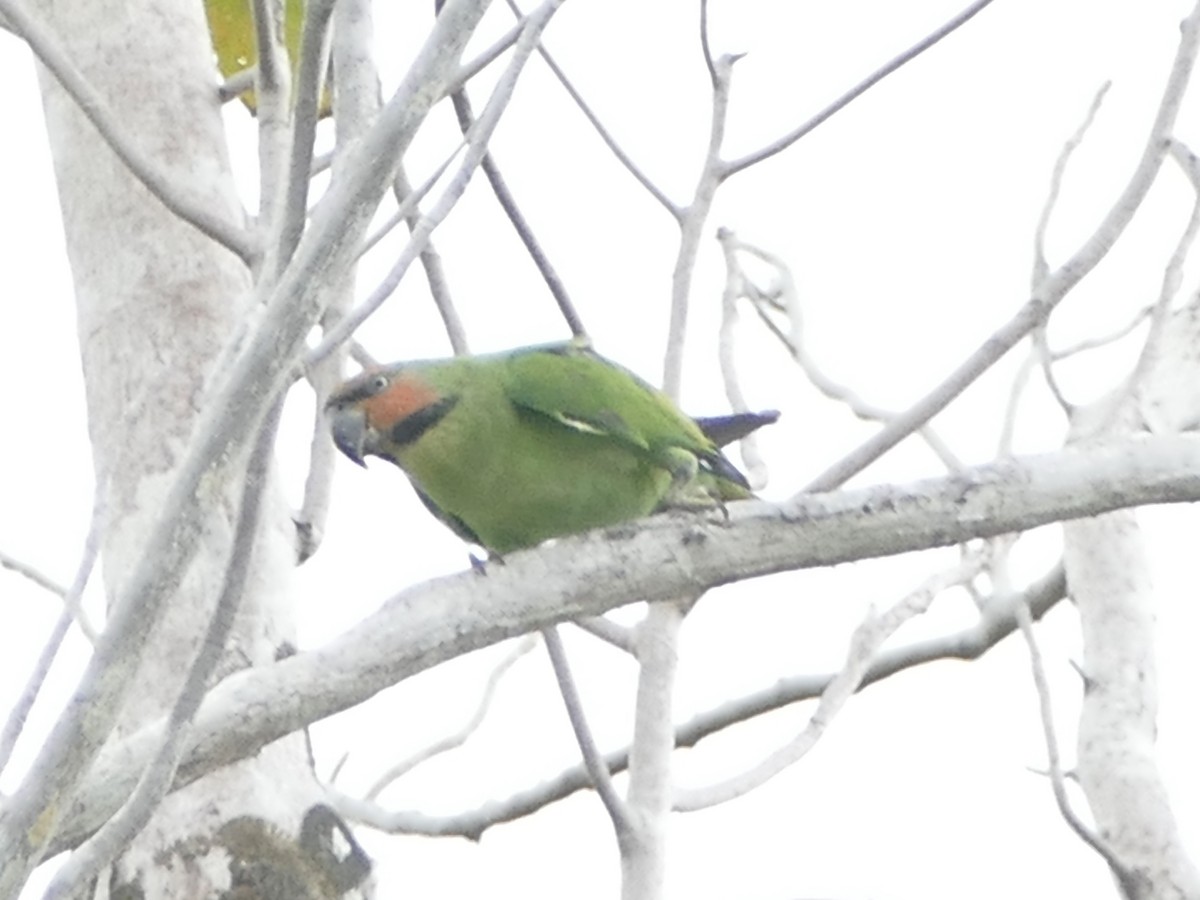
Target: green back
pixel 577 387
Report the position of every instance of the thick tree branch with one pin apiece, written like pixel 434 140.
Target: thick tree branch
pixel 997 623
pixel 232 414
pixel 158 182
pixel 107 843
pixel 656 559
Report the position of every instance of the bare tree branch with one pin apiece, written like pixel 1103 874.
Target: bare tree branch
pixel 460 737
pixel 408 203
pixel 72 611
pixel 997 623
pixel 658 558
pixel 1041 268
pixel 609 632
pixel 737 285
pixel 593 763
pixel 435 272
pixel 643 843
pixel 1152 349
pixel 691 224
pixel 705 45
pixel 1051 291
pixel 158 182
pixel 102 848
pixel 236 84
pixel 473 67
pixel 737 165
pixel 609 141
pixel 868 637
pixel 273 115
pixel 508 203
pixel 37 577
pixel 476 148
pixel 1057 781
pixel 233 412
pixel 356 106
pixel 317 14
pixel 786 297
pixel 78 613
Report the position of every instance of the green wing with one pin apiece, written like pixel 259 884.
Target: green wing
pixel 586 392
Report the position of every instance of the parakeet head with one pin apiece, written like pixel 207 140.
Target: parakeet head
pixel 384 408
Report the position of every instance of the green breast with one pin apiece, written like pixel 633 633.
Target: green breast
pixel 517 478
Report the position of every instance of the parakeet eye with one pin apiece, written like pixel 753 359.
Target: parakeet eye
pixel 379 382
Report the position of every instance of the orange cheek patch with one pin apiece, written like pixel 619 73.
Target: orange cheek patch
pixel 403 397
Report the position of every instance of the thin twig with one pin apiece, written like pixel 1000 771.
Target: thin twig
pixel 470 69
pixel 737 165
pixel 237 84
pixel 476 148
pixel 104 846
pixel 608 631
pixel 409 203
pixel 460 737
pixel 71 611
pixel 598 773
pixel 736 287
pixel 1051 291
pixel 158 182
pixel 1021 378
pixel 78 613
pixel 609 141
pixel 435 272
pixel 691 225
pixel 272 74
pixel 273 115
pixel 868 637
pixel 1041 267
pixel 356 106
pixel 24 569
pixel 997 622
pixel 309 78
pixel 508 203
pixel 705 46
pixel 1085 834
pixel 788 298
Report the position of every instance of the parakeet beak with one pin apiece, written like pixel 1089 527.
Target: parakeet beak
pixel 349 428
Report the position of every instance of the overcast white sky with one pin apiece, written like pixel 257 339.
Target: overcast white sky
pixel 907 220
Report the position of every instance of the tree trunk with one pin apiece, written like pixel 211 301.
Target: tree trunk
pixel 156 303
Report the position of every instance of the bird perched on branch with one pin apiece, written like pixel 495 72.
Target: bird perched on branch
pixel 513 448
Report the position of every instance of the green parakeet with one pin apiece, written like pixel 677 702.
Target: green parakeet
pixel 513 448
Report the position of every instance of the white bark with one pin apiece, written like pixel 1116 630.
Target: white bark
pixel 156 301
pixel 1108 576
pixel 643 841
pixel 660 559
